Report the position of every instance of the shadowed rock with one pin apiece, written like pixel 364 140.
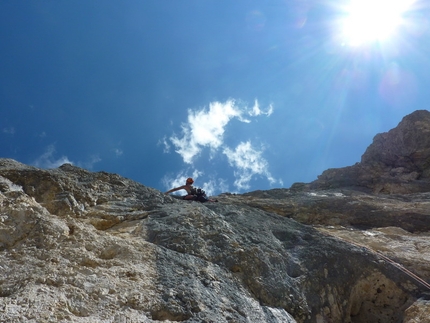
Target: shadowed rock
pixel 79 246
pixel 87 247
pixel 397 161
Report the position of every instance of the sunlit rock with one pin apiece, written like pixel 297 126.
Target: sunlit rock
pixel 397 161
pixel 79 246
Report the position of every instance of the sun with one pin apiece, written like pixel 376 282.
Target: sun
pixel 368 21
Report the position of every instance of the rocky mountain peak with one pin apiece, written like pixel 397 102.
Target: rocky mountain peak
pixel 81 246
pixel 407 146
pixel 398 161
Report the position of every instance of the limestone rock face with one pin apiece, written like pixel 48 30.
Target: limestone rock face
pixel 77 246
pixel 346 207
pixel 397 161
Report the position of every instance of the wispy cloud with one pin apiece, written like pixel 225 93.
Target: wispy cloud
pixel 177 180
pixel 47 159
pixel 248 162
pixel 215 185
pixel 94 159
pixel 211 186
pixel 256 111
pixel 165 143
pixel 205 129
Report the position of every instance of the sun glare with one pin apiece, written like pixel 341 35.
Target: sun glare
pixel 369 21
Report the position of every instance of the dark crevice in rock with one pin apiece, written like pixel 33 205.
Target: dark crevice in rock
pixel 167 315
pixel 97 245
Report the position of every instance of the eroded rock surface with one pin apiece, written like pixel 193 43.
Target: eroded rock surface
pixel 78 246
pixel 95 247
pixel 346 207
pixel 397 161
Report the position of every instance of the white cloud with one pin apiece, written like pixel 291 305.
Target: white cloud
pixel 256 111
pixel 166 145
pixel 249 162
pixel 170 182
pixel 211 187
pixel 205 128
pixel 90 164
pixel 214 186
pixel 47 160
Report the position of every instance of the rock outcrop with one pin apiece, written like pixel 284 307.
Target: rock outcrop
pixel 79 246
pixel 397 162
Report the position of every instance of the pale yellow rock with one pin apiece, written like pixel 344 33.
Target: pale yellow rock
pixel 77 246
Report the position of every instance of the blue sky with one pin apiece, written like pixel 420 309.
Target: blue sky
pixel 241 95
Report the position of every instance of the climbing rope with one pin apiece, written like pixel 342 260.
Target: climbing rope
pixel 392 262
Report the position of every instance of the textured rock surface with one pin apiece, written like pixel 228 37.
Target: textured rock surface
pixel 397 161
pixel 344 207
pixel 77 246
pixel 94 247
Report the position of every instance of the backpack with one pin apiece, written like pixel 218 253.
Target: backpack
pixel 199 195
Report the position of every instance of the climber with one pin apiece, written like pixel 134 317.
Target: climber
pixel 188 187
pixel 193 194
